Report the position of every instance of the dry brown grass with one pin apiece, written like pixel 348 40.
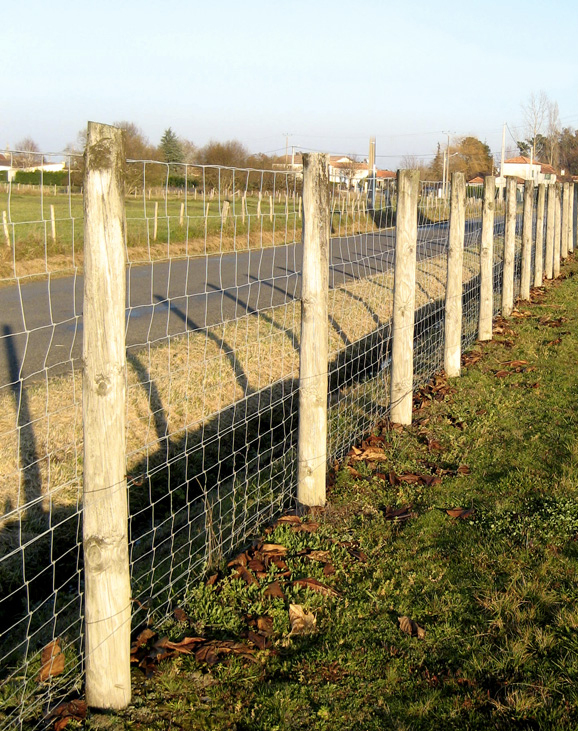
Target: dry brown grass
pixel 176 387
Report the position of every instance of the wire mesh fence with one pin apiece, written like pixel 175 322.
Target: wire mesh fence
pixel 213 322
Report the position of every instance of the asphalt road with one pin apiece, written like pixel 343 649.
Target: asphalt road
pixel 41 322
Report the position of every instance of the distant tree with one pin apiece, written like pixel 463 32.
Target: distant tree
pixel 139 149
pixel 473 158
pixel 170 147
pixel 536 111
pixel 27 154
pixel 231 153
pixel 190 151
pixel 413 162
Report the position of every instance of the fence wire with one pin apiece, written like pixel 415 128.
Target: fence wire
pixel 212 329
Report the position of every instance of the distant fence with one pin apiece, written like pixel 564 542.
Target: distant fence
pixel 224 366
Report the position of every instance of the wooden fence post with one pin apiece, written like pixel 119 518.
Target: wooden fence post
pixel 313 351
pixel 527 240
pixel 182 215
pixel 487 260
pixel 509 247
pixel 557 229
pixel 574 215
pixel 539 258
pixel 550 219
pixel 404 296
pixel 565 244
pixel 156 221
pixel 105 512
pixel 453 319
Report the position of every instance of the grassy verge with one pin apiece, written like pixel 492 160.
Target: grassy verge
pixel 495 590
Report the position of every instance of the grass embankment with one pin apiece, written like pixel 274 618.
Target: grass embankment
pixel 496 590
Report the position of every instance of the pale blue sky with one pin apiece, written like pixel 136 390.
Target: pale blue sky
pixel 329 73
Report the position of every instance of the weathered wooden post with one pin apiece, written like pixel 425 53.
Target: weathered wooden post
pixel 557 229
pixel 453 319
pixel 313 351
pixel 156 221
pixel 105 513
pixel 6 229
pixel 573 214
pixel 182 215
pixel 539 258
pixel 487 260
pixel 528 221
pixel 52 224
pixel 404 297
pixel 565 233
pixel 509 247
pixel 550 226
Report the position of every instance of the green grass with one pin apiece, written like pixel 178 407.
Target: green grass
pixel 497 593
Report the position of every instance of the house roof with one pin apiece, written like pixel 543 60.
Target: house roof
pixel 476 181
pixel 522 160
pixel 4 161
pixel 548 169
pixel 385 174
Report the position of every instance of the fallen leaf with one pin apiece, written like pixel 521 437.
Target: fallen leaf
pixel 464 469
pixel 71 711
pixel 502 374
pixel 317 586
pixel 411 627
pixel 265 625
pixel 515 363
pixel 241 560
pixel 289 519
pixel 273 548
pixel 358 554
pixel 207 654
pixel 274 590
pixel 180 615
pixel 322 556
pixel 259 640
pixel 460 513
pixel 52 660
pixel 403 513
pixel 247 576
pixel 256 565
pixel 211 581
pixel 185 646
pixel 328 569
pixel 302 622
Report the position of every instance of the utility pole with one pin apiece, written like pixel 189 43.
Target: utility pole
pixel 446 180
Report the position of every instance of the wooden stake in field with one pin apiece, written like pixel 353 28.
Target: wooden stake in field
pixel 156 221
pixel 52 224
pixel 313 351
pixel 550 226
pixel 453 319
pixel 271 208
pixel 225 212
pixel 6 230
pixel 539 259
pixel 404 297
pixel 527 239
pixel 182 215
pixel 105 513
pixel 574 199
pixel 487 260
pixel 509 247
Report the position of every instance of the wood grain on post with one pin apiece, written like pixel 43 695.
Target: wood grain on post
pixel 453 318
pixel 528 220
pixel 156 221
pixel 539 258
pixel 404 296
pixel 105 514
pixel 550 226
pixel 487 260
pixel 557 229
pixel 52 224
pixel 313 351
pixel 509 247
pixel 565 232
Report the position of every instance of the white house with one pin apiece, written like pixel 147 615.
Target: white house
pixel 527 169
